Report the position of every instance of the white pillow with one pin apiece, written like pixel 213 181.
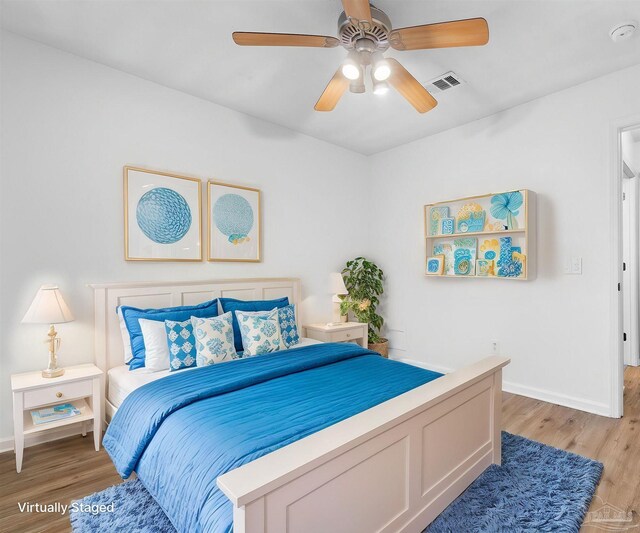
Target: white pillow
pixel 126 339
pixel 155 345
pixel 260 332
pixel 214 339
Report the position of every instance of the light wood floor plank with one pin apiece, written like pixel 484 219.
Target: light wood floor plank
pixel 70 468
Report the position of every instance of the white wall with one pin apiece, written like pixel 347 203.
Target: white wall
pixel 68 127
pixel 555 328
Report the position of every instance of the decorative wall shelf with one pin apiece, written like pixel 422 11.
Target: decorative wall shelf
pixel 487 236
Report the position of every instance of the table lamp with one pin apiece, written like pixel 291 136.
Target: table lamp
pixel 48 307
pixel 337 288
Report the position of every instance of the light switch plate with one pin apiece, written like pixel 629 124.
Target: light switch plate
pixel 576 265
pixel 573 265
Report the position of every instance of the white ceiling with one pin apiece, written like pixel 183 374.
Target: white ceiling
pixel 536 47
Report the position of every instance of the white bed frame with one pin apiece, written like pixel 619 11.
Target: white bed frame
pixel 391 468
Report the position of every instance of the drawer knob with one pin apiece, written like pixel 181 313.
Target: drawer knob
pixel 58 395
pixel 348 334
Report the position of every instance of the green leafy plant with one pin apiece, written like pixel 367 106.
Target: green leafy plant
pixel 363 280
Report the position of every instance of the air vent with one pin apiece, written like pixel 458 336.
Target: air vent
pixel 445 82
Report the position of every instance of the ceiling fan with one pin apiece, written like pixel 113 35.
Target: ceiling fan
pixel 366 32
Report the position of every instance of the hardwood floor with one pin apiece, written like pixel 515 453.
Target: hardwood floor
pixel 70 468
pixel 613 442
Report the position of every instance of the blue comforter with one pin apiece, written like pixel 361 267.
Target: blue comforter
pixel 181 432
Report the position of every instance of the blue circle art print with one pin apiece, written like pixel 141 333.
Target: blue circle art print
pixel 163 215
pixel 233 216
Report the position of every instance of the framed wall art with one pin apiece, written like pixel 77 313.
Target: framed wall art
pixel 486 236
pixel 162 216
pixel 233 220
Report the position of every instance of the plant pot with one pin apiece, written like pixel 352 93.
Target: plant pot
pixel 381 347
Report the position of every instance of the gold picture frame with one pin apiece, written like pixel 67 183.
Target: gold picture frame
pixel 147 237
pixel 234 226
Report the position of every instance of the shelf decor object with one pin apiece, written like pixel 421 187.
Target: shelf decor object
pixel 448 226
pixel 435 265
pixel 233 217
pixel 162 220
pixel 436 214
pixel 487 236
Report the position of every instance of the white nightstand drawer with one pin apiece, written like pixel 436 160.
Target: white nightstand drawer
pixel 57 393
pixel 349 335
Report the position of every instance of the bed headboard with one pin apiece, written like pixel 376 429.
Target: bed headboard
pixel 108 296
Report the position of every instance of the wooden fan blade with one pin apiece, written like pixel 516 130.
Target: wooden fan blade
pixel 357 9
pixel 410 88
pixel 333 92
pixel 470 32
pixel 244 38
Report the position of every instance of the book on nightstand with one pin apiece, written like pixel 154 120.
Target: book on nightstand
pixel 56 412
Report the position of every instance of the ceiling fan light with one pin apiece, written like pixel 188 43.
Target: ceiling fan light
pixel 350 71
pixel 381 70
pixel 351 67
pixel 380 87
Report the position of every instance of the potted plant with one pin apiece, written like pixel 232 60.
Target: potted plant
pixel 363 280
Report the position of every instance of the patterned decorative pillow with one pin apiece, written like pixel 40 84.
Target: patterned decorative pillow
pixel 182 344
pixel 260 332
pixel 214 339
pixel 288 326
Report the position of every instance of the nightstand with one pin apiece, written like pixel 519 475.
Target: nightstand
pixel 346 332
pixel 80 385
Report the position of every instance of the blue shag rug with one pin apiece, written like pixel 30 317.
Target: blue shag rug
pixel 537 489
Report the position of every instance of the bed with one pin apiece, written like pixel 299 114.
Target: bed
pixel 390 458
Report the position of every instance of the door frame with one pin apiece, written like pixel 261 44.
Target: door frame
pixel 616 367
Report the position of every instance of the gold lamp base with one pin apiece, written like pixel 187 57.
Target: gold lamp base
pixel 52 370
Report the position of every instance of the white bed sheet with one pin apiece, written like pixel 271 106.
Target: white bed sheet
pixel 123 381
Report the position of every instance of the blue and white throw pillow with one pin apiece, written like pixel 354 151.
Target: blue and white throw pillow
pixel 288 326
pixel 182 344
pixel 214 339
pixel 260 332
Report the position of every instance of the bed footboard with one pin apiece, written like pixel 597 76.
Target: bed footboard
pixel 392 468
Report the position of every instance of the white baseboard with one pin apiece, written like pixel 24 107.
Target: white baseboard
pixel 531 392
pixel 6 443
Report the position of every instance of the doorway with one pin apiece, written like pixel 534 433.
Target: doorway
pixel 630 176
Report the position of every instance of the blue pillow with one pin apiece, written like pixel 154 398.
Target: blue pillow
pixel 233 305
pixel 288 326
pixel 182 344
pixel 131 315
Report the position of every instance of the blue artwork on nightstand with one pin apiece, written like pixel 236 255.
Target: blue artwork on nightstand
pixel 447 226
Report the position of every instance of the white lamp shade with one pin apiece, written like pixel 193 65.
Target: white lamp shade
pixel 336 284
pixel 48 307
